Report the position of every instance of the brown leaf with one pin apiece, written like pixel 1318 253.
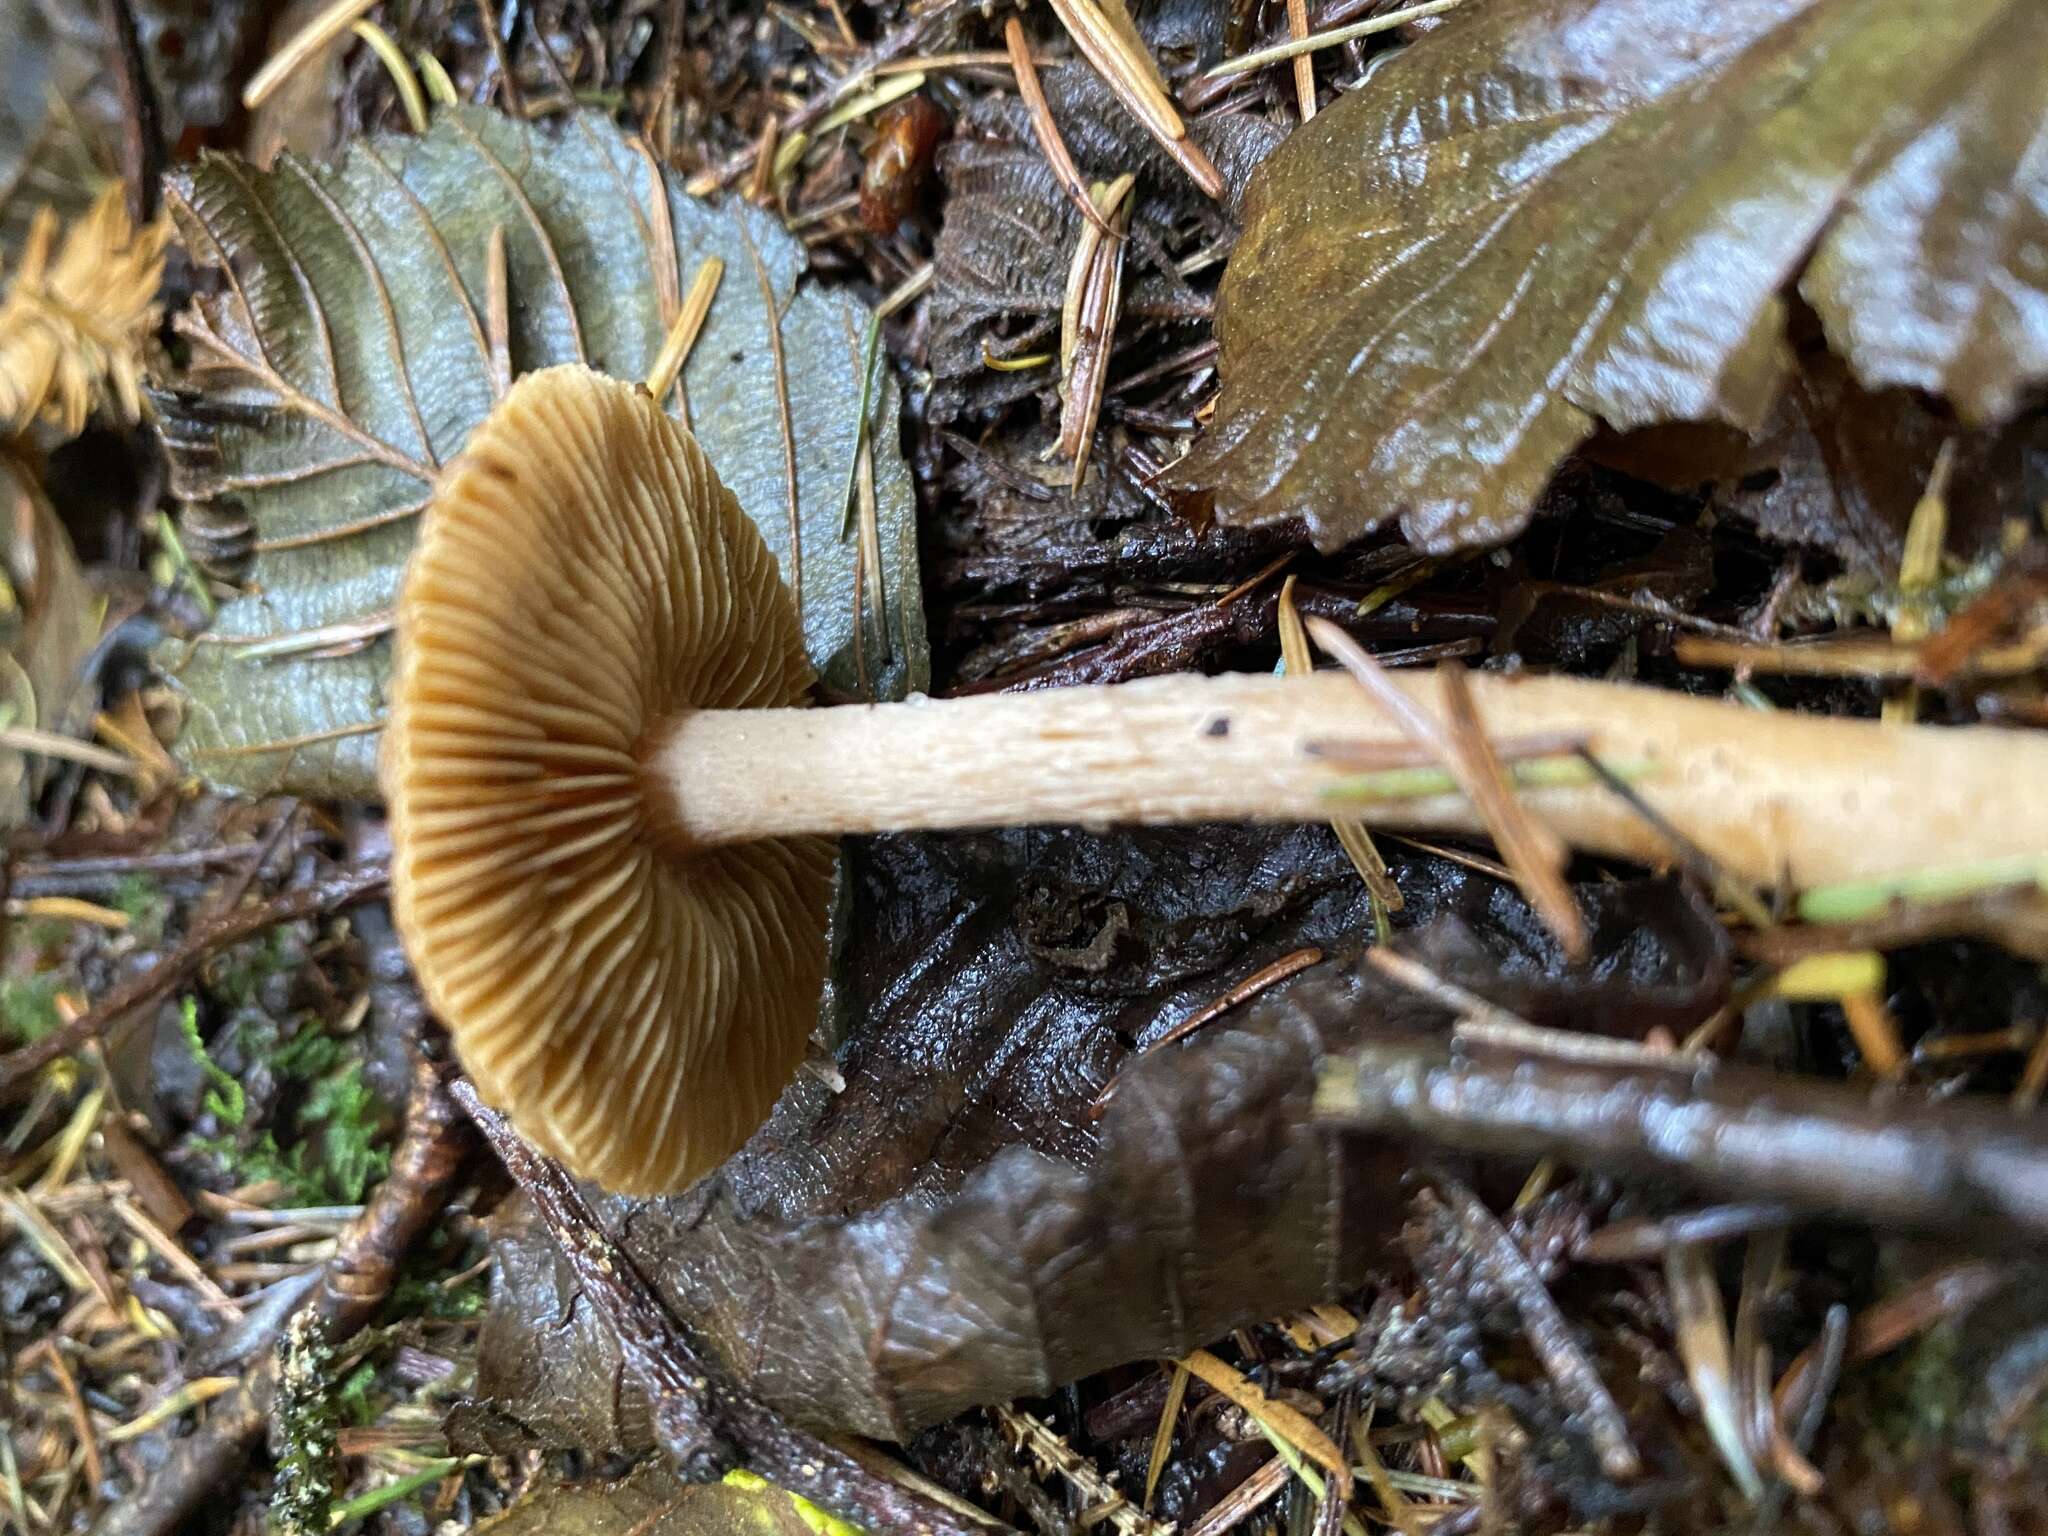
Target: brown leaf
pixel 49 619
pixel 953 1228
pixel 1562 212
pixel 1841 467
pixel 1001 261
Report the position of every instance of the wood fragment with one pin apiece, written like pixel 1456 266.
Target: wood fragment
pixel 1243 1501
pixel 142 134
pixel 1102 1505
pixel 1094 300
pixel 1162 1437
pixel 1877 660
pixel 1304 66
pixel 498 312
pixel 1970 1170
pixel 1495 1255
pixel 1637 1239
pixel 682 335
pixel 1876 1033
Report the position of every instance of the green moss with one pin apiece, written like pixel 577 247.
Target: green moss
pixel 223 1097
pixel 145 906
pixel 242 973
pixel 421 1294
pixel 334 1157
pixel 352 1401
pixel 305 1418
pixel 28 1006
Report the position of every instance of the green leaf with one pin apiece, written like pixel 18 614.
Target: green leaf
pixel 350 352
pixel 653 1501
pixel 1556 213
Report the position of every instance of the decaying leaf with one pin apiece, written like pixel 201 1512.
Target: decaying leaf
pixel 651 1500
pixel 1000 265
pixel 1558 213
pixel 1843 467
pixel 49 619
pixel 956 1228
pixel 77 318
pixel 62 119
pixel 351 350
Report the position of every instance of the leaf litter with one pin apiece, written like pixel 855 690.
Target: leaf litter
pixel 954 1233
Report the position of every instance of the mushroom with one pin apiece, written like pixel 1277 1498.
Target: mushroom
pixel 610 812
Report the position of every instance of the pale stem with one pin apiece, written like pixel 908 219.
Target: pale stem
pixel 1771 796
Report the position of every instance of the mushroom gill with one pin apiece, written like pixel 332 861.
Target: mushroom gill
pixel 634 1004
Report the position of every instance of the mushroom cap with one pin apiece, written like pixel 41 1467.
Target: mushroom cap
pixel 635 1007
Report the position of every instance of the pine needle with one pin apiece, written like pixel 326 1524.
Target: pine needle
pixel 78 317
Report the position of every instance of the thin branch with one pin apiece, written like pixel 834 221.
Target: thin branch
pixel 1970 1170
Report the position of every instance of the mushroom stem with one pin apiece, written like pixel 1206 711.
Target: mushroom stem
pixel 1770 796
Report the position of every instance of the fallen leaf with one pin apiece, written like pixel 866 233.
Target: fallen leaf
pixel 954 1228
pixel 1558 213
pixel 651 1500
pixel 51 135
pixel 1841 468
pixel 62 122
pixel 49 620
pixel 348 355
pixel 1000 264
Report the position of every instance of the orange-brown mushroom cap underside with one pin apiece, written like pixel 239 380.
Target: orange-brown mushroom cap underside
pixel 582 576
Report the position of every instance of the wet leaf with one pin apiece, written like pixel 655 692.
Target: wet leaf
pixel 1558 213
pixel 954 1228
pixel 649 1501
pixel 1841 468
pixel 350 353
pixel 1000 265
pixel 49 619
